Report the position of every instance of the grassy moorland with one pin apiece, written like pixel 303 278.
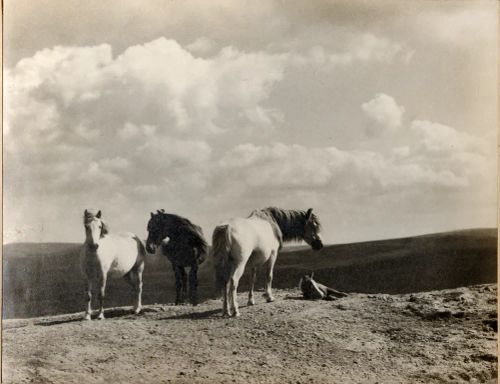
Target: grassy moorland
pixel 45 279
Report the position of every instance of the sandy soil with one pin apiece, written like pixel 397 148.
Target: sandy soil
pixel 433 337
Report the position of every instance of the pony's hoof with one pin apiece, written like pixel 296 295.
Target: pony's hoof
pixel 101 316
pixel 226 314
pixel 269 299
pixel 251 302
pixel 87 317
pixel 137 311
pixel 236 314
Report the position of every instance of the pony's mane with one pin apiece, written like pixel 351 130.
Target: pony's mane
pixel 180 226
pixel 289 221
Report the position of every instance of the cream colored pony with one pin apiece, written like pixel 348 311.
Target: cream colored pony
pixel 110 255
pixel 255 241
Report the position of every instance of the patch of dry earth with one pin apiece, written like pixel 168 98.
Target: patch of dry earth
pixel 433 337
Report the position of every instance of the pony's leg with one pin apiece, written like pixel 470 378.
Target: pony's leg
pixel 269 277
pixel 251 301
pixel 134 277
pixel 234 280
pixel 225 300
pixel 131 278
pixel 138 288
pixel 193 284
pixel 102 290
pixel 184 283
pixel 88 313
pixel 178 283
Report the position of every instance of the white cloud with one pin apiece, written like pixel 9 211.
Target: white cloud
pixel 363 48
pixel 402 151
pixel 201 45
pixel 85 132
pixel 161 121
pixel 384 111
pixel 441 138
pixel 464 26
pixel 369 47
pixel 130 131
pixel 94 174
pixel 171 152
pixel 296 168
pixel 115 163
pixel 203 94
pixel 80 118
pixel 76 93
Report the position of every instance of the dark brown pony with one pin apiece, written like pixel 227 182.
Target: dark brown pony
pixel 184 245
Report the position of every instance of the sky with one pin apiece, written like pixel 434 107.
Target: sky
pixel 381 116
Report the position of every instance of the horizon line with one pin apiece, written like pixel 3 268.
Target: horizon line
pixel 298 244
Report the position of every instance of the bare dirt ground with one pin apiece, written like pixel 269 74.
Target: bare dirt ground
pixel 433 337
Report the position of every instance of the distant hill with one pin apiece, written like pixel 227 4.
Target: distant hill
pixel 38 249
pixel 45 278
pixel 411 264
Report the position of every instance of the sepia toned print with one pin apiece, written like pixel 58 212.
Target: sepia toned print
pixel 272 192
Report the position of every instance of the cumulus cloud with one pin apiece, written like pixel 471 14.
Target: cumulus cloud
pixel 463 26
pixel 369 47
pixel 433 157
pixel 132 131
pixel 441 146
pixel 363 48
pixel 384 111
pixel 75 92
pixel 130 126
pixel 201 45
pixel 437 137
pixel 295 168
pixel 79 116
pixel 171 152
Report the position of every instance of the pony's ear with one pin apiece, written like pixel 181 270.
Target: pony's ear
pixel 162 210
pixel 158 211
pixel 152 214
pixel 308 213
pixel 98 214
pixel 86 212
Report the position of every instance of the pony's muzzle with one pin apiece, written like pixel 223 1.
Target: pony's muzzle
pixel 317 245
pixel 93 247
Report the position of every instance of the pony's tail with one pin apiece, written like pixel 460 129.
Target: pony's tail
pixel 140 246
pixel 221 246
pixel 202 252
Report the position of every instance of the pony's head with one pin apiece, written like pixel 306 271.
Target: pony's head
pixel 309 288
pixel 95 228
pixel 312 229
pixel 157 231
pixel 294 225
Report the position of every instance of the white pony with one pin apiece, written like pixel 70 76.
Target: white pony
pixel 256 240
pixel 113 255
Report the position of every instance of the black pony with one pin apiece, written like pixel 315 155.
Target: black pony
pixel 184 245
